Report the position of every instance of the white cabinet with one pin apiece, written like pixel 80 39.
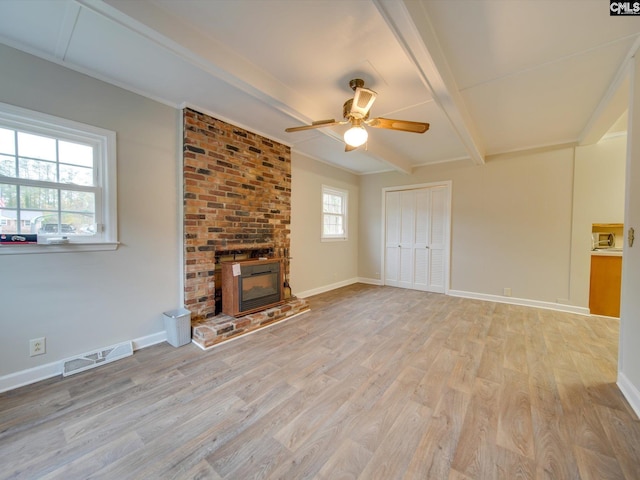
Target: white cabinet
pixel 416 238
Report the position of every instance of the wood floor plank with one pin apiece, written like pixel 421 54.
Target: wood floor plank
pixel 254 438
pixel 425 355
pixel 257 457
pixel 491 365
pixel 515 428
pixel 515 352
pixel 370 426
pixel 579 415
pixel 202 471
pixel 317 411
pixel 433 455
pixel 457 338
pixel 553 449
pixel 476 452
pixel 498 326
pixel 373 382
pixel 429 389
pixel 465 370
pixel 185 447
pixel 622 430
pixel 510 465
pixel 595 466
pixel 479 328
pixel 85 466
pixel 348 461
pixel 395 451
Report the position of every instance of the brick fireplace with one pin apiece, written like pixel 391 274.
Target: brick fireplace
pixel 237 204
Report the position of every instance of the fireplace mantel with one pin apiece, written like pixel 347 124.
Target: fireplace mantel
pixel 237 273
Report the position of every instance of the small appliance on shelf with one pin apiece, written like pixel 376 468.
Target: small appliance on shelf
pixel 600 240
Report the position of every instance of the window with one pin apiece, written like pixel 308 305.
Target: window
pixel 334 213
pixel 57 181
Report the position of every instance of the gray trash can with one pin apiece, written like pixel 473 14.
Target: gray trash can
pixel 177 323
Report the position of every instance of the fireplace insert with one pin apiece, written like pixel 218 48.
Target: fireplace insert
pixel 251 286
pixel 259 285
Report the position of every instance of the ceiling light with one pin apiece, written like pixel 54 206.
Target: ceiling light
pixel 355 136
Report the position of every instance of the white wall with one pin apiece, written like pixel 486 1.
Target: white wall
pixel 511 223
pixel 629 353
pixel 84 301
pixel 598 197
pixel 319 266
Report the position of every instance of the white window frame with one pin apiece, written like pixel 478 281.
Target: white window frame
pixel 344 194
pixel 104 143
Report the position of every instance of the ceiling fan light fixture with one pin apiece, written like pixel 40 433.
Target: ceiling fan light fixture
pixel 356 136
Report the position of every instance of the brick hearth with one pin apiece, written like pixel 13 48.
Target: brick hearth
pixel 212 331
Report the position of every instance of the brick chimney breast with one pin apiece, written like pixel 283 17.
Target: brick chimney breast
pixel 237 198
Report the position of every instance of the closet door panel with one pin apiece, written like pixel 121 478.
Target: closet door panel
pixel 438 238
pixel 392 239
pixel 406 268
pixel 421 240
pixel 437 272
pixel 421 269
pixel 407 229
pixel 392 267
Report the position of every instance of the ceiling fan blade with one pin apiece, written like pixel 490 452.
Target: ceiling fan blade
pixel 403 125
pixel 318 124
pixel 362 101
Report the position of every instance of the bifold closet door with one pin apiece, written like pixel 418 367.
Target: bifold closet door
pixel 415 238
pixel 399 239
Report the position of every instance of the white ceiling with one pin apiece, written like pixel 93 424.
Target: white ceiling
pixel 489 76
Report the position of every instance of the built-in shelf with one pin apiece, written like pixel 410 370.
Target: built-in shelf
pixel 607 225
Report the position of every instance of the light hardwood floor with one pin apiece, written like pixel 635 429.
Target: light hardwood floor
pixel 373 383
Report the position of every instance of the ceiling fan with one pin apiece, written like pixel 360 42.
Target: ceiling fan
pixel 356 112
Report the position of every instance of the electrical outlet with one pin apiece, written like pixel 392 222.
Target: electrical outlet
pixel 37 346
pixel 506 292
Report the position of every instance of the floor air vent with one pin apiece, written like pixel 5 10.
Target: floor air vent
pixel 96 358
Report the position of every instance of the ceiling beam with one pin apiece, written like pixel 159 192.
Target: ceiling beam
pixel 612 105
pixel 391 158
pixel 410 23
pixel 606 114
pixel 72 10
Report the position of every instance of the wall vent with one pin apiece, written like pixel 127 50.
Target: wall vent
pixel 96 358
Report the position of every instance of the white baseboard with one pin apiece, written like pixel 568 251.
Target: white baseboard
pixel 326 288
pixel 48 370
pixel 29 376
pixel 153 339
pixel 630 392
pixel 561 307
pixel 520 301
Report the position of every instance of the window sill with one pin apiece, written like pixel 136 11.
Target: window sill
pixel 66 248
pixel 334 239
